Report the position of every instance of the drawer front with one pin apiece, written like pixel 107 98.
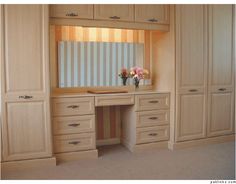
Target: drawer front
pixel 73 106
pixel 73 124
pixel 152 134
pixel 114 100
pixel 74 142
pixel 152 102
pixel 153 118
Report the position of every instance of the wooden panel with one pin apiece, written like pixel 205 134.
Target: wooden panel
pixel 73 124
pixel 27 133
pixel 73 106
pixel 221 45
pixel 221 117
pixel 191 113
pixel 152 118
pixel 157 14
pixel 26 128
pixel 191 46
pixel 24 35
pixel 74 142
pixel 114 100
pixel 152 134
pixel 152 102
pixel 120 12
pixel 82 11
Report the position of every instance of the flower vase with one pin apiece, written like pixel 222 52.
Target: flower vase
pixel 124 80
pixel 136 83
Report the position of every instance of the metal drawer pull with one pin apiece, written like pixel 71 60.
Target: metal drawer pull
pixel 74 142
pixel 154 101
pixel 74 124
pixel 72 14
pixel 153 118
pixel 193 90
pixel 26 97
pixel 153 134
pixel 73 106
pixel 222 89
pixel 152 20
pixel 114 17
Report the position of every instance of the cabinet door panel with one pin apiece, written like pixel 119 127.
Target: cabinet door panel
pixel 152 13
pixel 220 45
pixel 191 46
pixel 114 12
pixel 26 131
pixel 221 114
pixel 82 11
pixel 24 51
pixel 191 123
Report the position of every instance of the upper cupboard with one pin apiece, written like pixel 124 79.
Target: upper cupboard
pixel 123 14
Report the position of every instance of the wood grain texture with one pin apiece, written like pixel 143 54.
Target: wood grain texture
pixel 106 12
pixel 26 72
pixel 144 13
pixel 81 11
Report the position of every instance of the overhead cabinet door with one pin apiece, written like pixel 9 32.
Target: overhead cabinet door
pixel 26 123
pixel 82 11
pixel 221 69
pixel 191 71
pixel 114 12
pixel 158 14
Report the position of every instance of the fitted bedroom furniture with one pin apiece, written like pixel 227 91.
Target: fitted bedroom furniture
pixel 26 122
pixel 145 120
pixel 189 101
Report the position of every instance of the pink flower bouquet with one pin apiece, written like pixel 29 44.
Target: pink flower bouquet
pixel 124 75
pixel 138 73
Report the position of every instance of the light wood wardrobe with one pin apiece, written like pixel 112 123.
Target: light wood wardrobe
pixel 204 71
pixel 26 127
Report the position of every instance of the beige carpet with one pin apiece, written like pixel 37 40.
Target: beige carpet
pixel 116 162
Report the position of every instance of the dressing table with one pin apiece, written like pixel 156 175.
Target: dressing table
pixel 144 121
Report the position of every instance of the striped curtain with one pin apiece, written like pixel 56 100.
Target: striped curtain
pixel 96 63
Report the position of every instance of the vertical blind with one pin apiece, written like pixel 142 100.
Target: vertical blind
pixel 83 64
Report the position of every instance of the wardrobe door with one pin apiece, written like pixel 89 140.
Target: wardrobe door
pixel 191 71
pixel 26 114
pixel 221 71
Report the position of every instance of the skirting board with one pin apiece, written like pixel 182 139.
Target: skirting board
pixel 27 164
pixel 147 146
pixel 200 142
pixel 65 157
pixel 108 142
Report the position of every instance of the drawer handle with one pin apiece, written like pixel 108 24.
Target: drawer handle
pixel 152 20
pixel 222 89
pixel 153 134
pixel 153 118
pixel 74 142
pixel 73 106
pixel 72 14
pixel 114 17
pixel 74 124
pixel 193 90
pixel 26 97
pixel 154 101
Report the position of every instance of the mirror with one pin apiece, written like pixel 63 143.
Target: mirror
pixel 93 57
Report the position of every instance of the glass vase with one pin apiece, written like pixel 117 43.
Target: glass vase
pixel 136 83
pixel 124 80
